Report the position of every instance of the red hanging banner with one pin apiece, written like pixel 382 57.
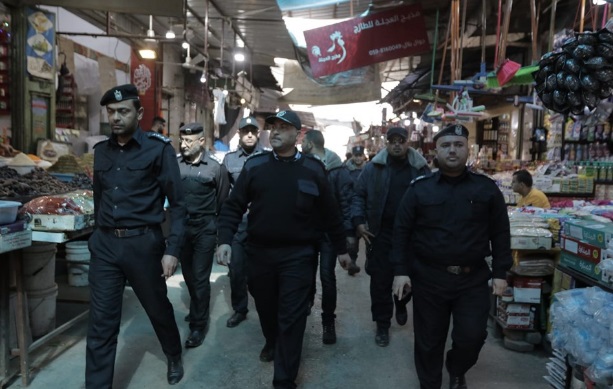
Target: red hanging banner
pixel 144 77
pixel 382 36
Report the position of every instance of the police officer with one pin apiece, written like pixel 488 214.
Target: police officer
pixel 248 145
pixel 289 202
pixel 355 164
pixel 342 189
pixel 377 195
pixel 133 172
pixel 158 125
pixel 206 186
pixel 443 232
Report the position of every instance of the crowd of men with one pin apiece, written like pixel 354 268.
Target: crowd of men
pixel 273 217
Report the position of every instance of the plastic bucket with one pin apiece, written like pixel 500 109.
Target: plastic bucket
pixel 38 266
pixel 77 260
pixel 41 307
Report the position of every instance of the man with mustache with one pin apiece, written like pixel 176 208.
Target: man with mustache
pixel 444 229
pixel 206 186
pixel 377 195
pixel 133 172
pixel 290 206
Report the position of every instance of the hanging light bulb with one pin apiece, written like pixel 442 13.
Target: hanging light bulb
pixel 225 92
pixel 170 34
pixel 243 101
pixel 185 45
pixel 203 78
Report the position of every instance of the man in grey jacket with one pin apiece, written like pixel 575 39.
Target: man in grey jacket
pixel 377 194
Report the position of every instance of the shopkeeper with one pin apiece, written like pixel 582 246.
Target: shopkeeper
pixel 530 197
pixel 133 172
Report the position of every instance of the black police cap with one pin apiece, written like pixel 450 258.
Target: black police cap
pixel 191 129
pixel 247 122
pixel 119 93
pixel 290 117
pixel 357 150
pixel 452 129
pixel 398 131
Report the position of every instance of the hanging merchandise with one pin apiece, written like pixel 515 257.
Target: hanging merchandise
pixel 578 76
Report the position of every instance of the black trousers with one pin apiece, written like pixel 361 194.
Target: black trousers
pixel 196 264
pixel 437 297
pixel 238 274
pixel 280 281
pixel 113 260
pixel 327 267
pixel 378 266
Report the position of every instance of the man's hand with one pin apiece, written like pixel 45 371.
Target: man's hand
pixel 352 244
pixel 169 265
pixel 363 233
pixel 401 286
pixel 344 260
pixel 223 254
pixel 499 286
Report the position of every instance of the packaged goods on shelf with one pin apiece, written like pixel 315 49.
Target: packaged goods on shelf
pixel 582 326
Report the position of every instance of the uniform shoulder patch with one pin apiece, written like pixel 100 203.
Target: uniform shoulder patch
pixel 160 137
pixel 215 158
pixel 422 177
pixel 478 174
pixel 102 141
pixel 257 154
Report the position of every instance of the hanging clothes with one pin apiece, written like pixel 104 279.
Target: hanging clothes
pixel 219 115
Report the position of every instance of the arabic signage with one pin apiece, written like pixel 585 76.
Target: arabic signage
pixel 40 41
pixel 143 76
pixel 362 41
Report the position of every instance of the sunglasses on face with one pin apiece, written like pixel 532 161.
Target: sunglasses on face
pixel 396 141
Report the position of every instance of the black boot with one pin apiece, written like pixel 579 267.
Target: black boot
pixel 457 382
pixel 329 334
pixel 175 370
pixel 382 339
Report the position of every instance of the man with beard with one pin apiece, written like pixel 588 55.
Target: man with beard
pixel 248 145
pixel 342 189
pixel 290 203
pixel 444 229
pixel 206 186
pixel 355 165
pixel 133 172
pixel 377 196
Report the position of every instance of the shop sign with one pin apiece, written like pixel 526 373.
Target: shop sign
pixel 366 40
pixel 143 76
pixel 40 41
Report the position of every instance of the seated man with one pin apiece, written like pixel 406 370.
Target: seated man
pixel 530 197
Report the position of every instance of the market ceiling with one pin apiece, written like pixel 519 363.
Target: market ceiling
pixel 260 26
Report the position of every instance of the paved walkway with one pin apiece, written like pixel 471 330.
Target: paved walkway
pixel 228 359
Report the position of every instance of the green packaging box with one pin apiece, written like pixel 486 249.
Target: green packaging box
pixel 579 264
pixel 589 231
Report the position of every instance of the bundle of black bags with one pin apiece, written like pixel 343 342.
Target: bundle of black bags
pixel 578 76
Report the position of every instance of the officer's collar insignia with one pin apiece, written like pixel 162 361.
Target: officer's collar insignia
pixel 458 130
pixel 118 95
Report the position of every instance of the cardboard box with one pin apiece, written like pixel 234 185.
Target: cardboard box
pixel 588 231
pixel 61 222
pixel 516 316
pixel 583 266
pixel 15 240
pixel 527 290
pixel 584 250
pixel 530 243
pixel 512 308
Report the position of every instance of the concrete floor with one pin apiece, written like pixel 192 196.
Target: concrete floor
pixel 228 359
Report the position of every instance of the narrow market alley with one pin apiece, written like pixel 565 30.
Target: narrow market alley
pixel 228 358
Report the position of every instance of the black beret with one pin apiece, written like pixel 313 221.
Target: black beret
pixel 398 131
pixel 287 116
pixel 248 121
pixel 357 150
pixel 119 93
pixel 191 129
pixel 452 129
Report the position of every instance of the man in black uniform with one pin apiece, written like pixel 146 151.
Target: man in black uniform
pixel 377 195
pixel 248 145
pixel 158 125
pixel 289 202
pixel 133 172
pixel 342 189
pixel 443 231
pixel 355 164
pixel 206 186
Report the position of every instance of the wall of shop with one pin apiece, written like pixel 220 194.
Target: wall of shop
pixel 173 81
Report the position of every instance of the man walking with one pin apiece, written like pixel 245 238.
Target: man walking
pixel 206 186
pixel 133 172
pixel 355 164
pixel 248 145
pixel 377 196
pixel 289 203
pixel 445 226
pixel 342 189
